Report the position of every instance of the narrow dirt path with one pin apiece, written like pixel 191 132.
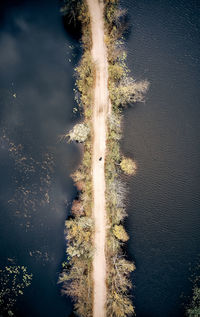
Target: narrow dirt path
pixel 101 108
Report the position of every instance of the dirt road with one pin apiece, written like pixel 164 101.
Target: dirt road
pixel 101 108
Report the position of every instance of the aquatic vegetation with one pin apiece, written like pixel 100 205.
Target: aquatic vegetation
pixel 13 280
pixel 29 195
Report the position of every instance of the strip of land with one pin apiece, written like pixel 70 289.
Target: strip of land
pixel 101 109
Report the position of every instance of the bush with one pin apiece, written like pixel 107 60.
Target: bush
pixel 118 303
pixel 128 91
pixel 79 133
pixel 120 233
pixel 77 208
pixel 79 233
pixel 128 166
pixel 77 283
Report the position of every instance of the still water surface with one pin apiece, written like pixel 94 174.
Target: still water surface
pixel 164 137
pixel 37 58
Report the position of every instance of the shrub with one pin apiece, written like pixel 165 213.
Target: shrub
pixel 77 208
pixel 116 71
pixel 77 283
pixel 120 233
pixel 85 81
pixel 79 132
pixel 128 166
pixel 118 303
pixel 128 91
pixel 78 233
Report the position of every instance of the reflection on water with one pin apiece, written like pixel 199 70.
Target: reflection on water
pixel 36 102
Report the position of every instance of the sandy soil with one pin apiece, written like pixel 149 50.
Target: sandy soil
pixel 100 112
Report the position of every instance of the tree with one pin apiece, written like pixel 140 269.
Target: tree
pixel 119 303
pixel 128 91
pixel 79 234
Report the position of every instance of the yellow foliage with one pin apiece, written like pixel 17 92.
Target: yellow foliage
pixel 120 233
pixel 116 71
pixel 128 166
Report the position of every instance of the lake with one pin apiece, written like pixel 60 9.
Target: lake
pixel 37 58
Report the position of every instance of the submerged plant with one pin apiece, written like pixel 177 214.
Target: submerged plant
pixel 13 280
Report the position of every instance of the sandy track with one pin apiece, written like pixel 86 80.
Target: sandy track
pixel 101 108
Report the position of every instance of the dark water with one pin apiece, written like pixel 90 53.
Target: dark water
pixel 164 137
pixel 36 102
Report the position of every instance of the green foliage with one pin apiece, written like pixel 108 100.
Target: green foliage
pixel 111 6
pixel 114 123
pixel 85 81
pixel 13 280
pixel 85 73
pixel 116 71
pixel 194 309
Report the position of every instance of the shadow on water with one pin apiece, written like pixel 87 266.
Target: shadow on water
pixel 73 29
